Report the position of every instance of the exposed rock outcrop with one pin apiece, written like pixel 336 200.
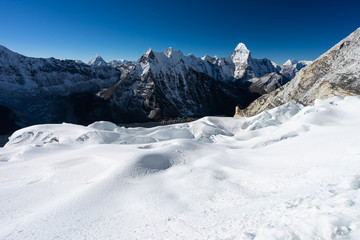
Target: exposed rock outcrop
pixel 159 85
pixel 39 90
pixel 170 84
pixel 267 83
pixel 165 85
pixel 335 73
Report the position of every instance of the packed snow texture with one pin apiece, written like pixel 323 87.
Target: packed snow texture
pixel 289 173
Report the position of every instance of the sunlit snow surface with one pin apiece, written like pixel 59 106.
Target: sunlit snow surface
pixel 289 173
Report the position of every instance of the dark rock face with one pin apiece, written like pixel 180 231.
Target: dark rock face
pixel 76 107
pixel 7 121
pixel 267 83
pixel 159 85
pixel 169 84
pixel 38 90
pixel 195 95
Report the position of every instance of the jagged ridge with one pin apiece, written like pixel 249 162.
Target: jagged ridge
pixel 159 85
pixel 335 73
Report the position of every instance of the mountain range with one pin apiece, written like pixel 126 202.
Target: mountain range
pixel 288 172
pixel 159 85
pixel 335 73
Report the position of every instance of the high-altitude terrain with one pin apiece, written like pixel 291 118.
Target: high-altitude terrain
pixel 335 73
pixel 291 171
pixel 158 85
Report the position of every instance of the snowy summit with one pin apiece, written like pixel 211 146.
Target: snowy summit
pixel 97 61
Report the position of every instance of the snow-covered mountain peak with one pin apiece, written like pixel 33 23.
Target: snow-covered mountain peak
pixel 148 52
pixel 238 65
pixel 241 47
pixel 171 53
pixel 212 60
pixel 97 61
pixel 240 58
pixel 240 54
pixel 78 61
pixel 206 58
pixel 290 62
pixel 168 52
pixel 167 83
pixel 291 67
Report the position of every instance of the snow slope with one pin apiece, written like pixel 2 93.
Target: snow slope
pixel 289 173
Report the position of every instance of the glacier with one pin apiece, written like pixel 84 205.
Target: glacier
pixel 292 172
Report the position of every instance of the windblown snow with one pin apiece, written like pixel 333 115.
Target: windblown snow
pixel 289 173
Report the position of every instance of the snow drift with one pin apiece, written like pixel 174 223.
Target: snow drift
pixel 289 173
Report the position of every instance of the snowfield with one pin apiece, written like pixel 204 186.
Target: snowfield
pixel 289 173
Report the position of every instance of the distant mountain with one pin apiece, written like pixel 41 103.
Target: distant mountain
pixel 50 75
pixel 238 66
pixel 335 73
pixel 117 63
pixel 158 85
pixel 291 67
pixel 267 83
pixel 79 61
pixel 97 61
pixel 39 90
pixel 170 84
pixel 247 67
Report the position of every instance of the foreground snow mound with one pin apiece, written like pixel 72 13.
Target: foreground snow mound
pixel 206 130
pixel 289 173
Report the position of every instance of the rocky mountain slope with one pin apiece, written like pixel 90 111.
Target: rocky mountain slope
pixel 335 73
pixel 164 84
pixel 38 90
pixel 170 84
pixel 159 85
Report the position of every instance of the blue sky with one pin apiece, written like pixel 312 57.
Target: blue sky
pixel 278 30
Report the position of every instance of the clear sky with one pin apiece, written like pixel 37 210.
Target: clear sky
pixel 278 30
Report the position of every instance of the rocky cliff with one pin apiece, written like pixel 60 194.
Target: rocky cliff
pixel 335 73
pixel 159 85
pixel 39 90
pixel 170 84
